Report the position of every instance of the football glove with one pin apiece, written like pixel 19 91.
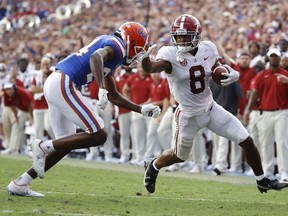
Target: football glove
pixel 142 56
pixel 232 76
pixel 102 98
pixel 151 110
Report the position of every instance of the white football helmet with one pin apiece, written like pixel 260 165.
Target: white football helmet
pixel 186 25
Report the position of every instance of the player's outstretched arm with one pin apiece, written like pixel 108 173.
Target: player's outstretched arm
pixel 116 98
pixel 158 66
pixel 96 61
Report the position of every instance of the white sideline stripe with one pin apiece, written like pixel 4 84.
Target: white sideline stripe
pixel 35 211
pixel 165 198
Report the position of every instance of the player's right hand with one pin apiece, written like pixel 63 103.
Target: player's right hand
pixel 151 110
pixel 232 76
pixel 102 98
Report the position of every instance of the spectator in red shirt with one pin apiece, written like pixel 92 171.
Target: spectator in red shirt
pixel 19 109
pixel 271 89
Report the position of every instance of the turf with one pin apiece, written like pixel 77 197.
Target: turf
pixel 77 187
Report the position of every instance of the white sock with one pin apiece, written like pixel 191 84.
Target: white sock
pixel 47 146
pixel 24 179
pixel 259 178
pixel 155 166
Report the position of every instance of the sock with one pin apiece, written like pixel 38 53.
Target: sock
pixel 24 179
pixel 47 146
pixel 155 166
pixel 260 177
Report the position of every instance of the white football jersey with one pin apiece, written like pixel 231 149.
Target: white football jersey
pixel 188 81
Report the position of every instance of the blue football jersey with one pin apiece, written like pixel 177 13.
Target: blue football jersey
pixel 77 66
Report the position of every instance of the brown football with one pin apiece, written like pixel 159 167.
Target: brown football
pixel 217 74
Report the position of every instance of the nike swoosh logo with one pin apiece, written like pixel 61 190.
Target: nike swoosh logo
pixel 206 58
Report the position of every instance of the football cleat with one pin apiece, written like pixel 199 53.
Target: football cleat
pixel 22 190
pixel 39 156
pixel 150 175
pixel 269 184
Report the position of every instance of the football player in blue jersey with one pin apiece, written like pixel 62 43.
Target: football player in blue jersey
pixel 68 108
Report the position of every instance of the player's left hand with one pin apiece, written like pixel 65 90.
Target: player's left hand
pixel 141 56
pixel 151 110
pixel 102 98
pixel 232 76
pixel 146 54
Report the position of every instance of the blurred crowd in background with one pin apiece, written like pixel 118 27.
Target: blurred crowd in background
pixel 37 33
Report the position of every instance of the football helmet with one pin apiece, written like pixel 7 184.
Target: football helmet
pixel 137 41
pixel 186 25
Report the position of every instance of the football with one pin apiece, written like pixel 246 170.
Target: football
pixel 217 74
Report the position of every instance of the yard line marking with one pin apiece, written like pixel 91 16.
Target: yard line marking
pixel 164 198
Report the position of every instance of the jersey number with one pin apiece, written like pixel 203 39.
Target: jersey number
pixel 85 49
pixel 197 82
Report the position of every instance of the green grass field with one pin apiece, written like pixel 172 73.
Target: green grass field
pixel 80 188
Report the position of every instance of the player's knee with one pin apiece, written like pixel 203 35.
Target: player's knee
pixel 172 156
pixel 185 148
pixel 247 143
pixel 99 138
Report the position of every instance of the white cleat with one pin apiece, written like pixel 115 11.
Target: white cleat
pixel 22 190
pixel 39 156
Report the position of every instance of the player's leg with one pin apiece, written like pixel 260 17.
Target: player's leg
pixel 186 129
pixel 67 107
pixel 227 125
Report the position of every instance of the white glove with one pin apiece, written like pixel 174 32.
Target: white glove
pixel 146 54
pixel 102 98
pixel 142 55
pixel 232 76
pixel 151 110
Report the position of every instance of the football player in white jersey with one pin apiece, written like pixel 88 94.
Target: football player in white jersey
pixel 188 65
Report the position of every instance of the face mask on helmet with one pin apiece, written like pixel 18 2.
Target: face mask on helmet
pixel 137 41
pixel 186 25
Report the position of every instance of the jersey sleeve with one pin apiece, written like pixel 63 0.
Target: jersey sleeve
pixel 119 51
pixel 165 53
pixel 214 50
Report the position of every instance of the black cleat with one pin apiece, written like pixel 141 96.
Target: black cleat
pixel 269 184
pixel 217 171
pixel 150 175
